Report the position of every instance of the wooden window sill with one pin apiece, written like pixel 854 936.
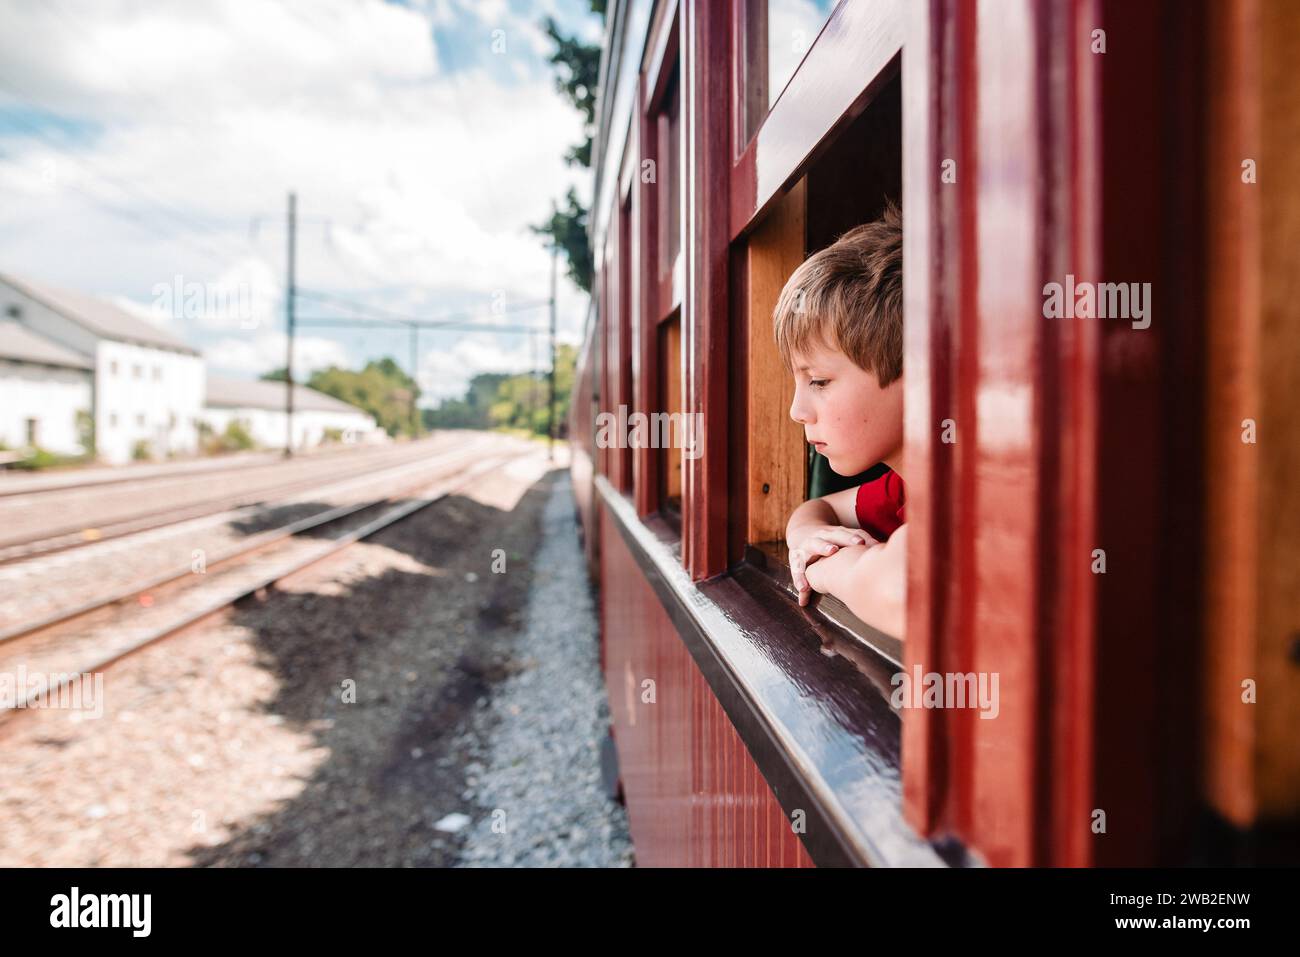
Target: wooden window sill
pixel 772 561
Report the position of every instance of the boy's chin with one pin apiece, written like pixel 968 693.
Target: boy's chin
pixel 845 468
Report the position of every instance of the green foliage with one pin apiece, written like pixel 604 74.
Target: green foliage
pixel 86 431
pixel 577 77
pixel 331 435
pixel 577 74
pixel 567 227
pixel 381 388
pixel 39 458
pixel 470 412
pixel 498 401
pixel 141 450
pixel 236 438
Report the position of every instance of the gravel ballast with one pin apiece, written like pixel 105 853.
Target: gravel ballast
pixel 537 784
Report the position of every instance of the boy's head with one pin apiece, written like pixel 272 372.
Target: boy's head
pixel 839 328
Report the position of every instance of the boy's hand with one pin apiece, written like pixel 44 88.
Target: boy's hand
pixel 820 541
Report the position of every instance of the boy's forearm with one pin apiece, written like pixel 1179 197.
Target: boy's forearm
pixel 835 573
pixel 812 512
pixel 876 585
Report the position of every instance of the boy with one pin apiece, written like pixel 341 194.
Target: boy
pixel 839 327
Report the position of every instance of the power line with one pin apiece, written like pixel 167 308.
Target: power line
pixel 409 323
pixel 355 306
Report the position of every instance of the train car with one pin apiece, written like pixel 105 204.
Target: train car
pixel 1103 514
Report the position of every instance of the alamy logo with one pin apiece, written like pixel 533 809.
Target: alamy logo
pixel 66 691
pixel 103 910
pixel 204 300
pixel 658 430
pixel 1106 300
pixel 947 690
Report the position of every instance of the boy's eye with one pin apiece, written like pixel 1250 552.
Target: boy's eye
pixel 818 383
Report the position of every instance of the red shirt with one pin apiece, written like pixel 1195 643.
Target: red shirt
pixel 879 505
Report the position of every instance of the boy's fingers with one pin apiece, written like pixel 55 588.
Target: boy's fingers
pixel 822 546
pixel 847 538
pixel 796 569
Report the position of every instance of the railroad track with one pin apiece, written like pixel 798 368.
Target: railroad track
pixel 414 474
pixel 79 535
pixel 88 639
pixel 12 485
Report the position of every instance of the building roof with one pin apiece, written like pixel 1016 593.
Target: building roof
pixel 21 343
pixel 99 316
pixel 229 393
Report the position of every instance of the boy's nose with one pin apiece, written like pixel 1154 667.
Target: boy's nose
pixel 797 410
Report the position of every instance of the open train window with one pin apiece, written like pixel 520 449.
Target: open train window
pixel 849 182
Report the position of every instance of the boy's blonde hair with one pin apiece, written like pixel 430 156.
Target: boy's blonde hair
pixel 849 296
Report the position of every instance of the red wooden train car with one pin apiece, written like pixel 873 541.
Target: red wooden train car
pixel 1102 512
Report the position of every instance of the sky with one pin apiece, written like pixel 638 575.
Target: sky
pixel 147 149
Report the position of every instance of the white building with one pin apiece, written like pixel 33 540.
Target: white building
pixel 148 384
pixel 43 389
pixel 260 405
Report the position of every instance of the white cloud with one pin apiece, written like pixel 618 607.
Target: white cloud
pixel 264 351
pixel 446 374
pixel 199 118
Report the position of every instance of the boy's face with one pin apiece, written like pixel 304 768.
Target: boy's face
pixel 845 413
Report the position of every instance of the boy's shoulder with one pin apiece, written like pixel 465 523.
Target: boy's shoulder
pixel 880 502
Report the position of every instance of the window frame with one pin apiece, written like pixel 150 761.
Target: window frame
pixel 662 283
pixel 816 104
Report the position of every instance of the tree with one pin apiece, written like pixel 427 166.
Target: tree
pixel 497 400
pixel 567 227
pixel 381 388
pixel 577 77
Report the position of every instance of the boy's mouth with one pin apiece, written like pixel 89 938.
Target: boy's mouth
pixel 819 446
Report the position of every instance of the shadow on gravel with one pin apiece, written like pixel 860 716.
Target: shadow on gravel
pixel 419 647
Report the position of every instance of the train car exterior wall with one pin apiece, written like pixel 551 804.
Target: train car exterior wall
pixel 1031 142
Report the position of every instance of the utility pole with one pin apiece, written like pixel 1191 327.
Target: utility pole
pixel 415 376
pixel 533 383
pixel 288 315
pixel 550 416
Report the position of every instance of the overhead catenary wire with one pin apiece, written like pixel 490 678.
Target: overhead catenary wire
pixel 358 323
pixel 381 312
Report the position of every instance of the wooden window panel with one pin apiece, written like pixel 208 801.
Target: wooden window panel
pixel 1251 775
pixel 777 452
